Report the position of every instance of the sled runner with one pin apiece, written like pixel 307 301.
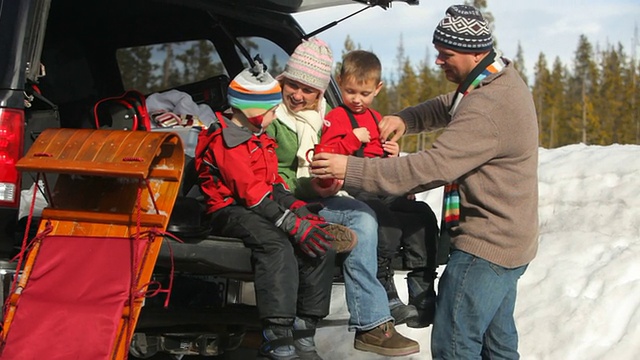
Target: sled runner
pixel 87 271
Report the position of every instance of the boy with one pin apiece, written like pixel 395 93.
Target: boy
pixel 352 129
pixel 291 249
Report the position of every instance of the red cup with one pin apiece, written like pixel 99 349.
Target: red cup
pixel 322 148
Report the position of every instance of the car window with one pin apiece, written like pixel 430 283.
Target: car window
pixel 271 54
pixel 158 67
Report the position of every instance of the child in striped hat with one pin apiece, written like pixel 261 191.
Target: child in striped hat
pixel 254 96
pixel 292 248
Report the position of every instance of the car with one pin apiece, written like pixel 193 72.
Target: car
pixel 62 57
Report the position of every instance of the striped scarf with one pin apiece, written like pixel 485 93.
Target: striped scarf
pixel 491 64
pixel 451 205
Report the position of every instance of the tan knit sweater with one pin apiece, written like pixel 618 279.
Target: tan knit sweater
pixel 490 147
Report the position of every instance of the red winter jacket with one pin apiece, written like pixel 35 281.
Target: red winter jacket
pixel 235 166
pixel 337 130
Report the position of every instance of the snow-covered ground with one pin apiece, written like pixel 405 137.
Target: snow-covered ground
pixel 580 297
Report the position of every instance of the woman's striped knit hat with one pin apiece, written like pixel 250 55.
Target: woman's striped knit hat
pixel 254 89
pixel 310 64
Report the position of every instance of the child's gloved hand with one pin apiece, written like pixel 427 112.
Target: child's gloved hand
pixel 307 211
pixel 310 238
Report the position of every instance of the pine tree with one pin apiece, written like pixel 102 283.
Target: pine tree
pixel 137 69
pixel 518 62
pixel 274 66
pixel 168 68
pixel 583 85
pixel 611 99
pixel 426 81
pixel 634 85
pixel 381 101
pixel 562 106
pixel 349 45
pixel 628 93
pixel 408 95
pixel 544 107
pixel 197 62
pixel 557 99
pixel 400 57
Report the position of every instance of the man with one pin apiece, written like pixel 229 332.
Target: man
pixel 487 156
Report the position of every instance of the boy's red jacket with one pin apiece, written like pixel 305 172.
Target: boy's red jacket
pixel 236 166
pixel 338 131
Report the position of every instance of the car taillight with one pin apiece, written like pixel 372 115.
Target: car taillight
pixel 11 147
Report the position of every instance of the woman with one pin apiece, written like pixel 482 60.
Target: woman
pixel 296 130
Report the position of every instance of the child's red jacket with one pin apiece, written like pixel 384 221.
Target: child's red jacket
pixel 235 166
pixel 338 131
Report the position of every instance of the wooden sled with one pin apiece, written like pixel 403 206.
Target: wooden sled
pixel 86 273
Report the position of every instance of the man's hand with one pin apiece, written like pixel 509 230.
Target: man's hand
pixel 326 166
pixel 310 238
pixel 391 147
pixel 392 128
pixel 363 134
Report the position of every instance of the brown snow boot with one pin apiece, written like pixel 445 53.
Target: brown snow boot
pixel 384 340
pixel 345 238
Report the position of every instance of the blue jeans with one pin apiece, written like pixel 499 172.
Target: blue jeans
pixel 366 298
pixel 474 310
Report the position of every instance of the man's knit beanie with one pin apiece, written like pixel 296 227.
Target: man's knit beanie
pixel 463 29
pixel 310 64
pixel 254 89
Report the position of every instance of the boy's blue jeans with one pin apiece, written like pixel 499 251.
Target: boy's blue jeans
pixel 474 311
pixel 366 298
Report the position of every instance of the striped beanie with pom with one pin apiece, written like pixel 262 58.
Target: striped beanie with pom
pixel 310 64
pixel 254 89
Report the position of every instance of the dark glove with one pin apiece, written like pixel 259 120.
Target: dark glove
pixel 311 238
pixel 308 211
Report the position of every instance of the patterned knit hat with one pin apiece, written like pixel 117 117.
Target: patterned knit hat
pixel 310 64
pixel 463 29
pixel 254 89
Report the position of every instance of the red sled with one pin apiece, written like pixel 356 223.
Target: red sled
pixel 83 278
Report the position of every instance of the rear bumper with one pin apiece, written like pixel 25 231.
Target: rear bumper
pixel 214 255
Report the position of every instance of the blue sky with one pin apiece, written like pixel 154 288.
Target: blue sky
pixel 550 27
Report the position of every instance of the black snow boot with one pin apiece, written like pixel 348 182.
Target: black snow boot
pixel 277 340
pixel 400 312
pixel 422 295
pixel 304 330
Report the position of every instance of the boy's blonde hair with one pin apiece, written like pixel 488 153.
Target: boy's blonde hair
pixel 361 66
